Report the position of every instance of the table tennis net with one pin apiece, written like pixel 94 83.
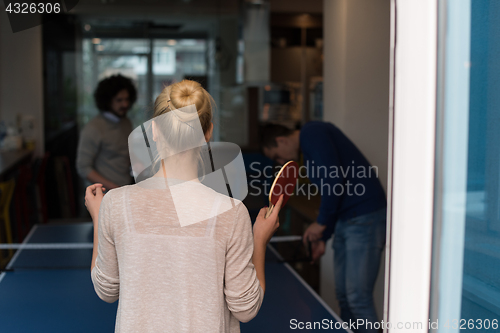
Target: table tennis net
pixel 77 255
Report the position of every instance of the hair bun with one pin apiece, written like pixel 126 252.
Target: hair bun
pixel 185 93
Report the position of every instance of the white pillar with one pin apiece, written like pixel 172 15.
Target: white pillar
pixel 356 94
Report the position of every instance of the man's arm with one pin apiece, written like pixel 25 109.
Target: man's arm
pixel 88 149
pixel 95 177
pixel 318 147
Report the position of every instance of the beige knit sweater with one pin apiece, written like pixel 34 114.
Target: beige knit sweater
pixel 168 278
pixel 103 147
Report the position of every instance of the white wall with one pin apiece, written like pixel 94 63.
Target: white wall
pixel 356 93
pixel 21 76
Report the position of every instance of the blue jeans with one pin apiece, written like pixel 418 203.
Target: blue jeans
pixel 358 245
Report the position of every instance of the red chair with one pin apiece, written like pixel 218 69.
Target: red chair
pixel 6 192
pixel 40 186
pixel 21 201
pixel 64 184
pixel 69 185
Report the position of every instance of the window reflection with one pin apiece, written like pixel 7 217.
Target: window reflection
pixel 172 61
pixel 481 280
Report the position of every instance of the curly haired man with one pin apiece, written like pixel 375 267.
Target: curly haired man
pixel 103 155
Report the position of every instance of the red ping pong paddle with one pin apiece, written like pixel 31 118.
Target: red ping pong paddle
pixel 284 183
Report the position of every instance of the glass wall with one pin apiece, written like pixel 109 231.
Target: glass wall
pixel 174 60
pixel 171 61
pixel 481 268
pixel 466 271
pixel 105 57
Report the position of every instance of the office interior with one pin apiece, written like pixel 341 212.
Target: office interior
pixel 261 61
pixel 281 61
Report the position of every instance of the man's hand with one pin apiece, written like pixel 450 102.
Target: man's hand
pixel 317 249
pixel 314 233
pixel 93 198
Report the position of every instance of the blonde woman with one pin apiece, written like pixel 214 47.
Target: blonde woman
pixel 202 277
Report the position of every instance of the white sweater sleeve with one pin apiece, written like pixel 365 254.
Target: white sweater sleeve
pixel 105 275
pixel 88 148
pixel 242 289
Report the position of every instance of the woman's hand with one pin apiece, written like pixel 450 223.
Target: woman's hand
pixel 264 229
pixel 93 198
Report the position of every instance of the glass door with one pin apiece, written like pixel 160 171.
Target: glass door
pixel 444 235
pixel 178 59
pixel 105 57
pixel 466 270
pixel 151 63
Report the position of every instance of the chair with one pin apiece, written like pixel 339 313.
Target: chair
pixel 69 186
pixel 30 200
pixel 39 179
pixel 22 202
pixel 6 192
pixel 64 182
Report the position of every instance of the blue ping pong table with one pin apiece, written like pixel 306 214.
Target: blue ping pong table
pixel 50 290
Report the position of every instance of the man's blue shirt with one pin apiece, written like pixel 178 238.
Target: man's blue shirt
pixel 348 184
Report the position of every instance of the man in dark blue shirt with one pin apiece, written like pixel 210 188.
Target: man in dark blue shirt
pixel 353 207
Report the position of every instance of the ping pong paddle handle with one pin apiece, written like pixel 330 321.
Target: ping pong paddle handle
pixel 269 211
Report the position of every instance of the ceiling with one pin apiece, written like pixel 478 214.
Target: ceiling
pixel 188 7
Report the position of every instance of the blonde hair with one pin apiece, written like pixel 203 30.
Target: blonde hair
pixel 184 93
pixel 175 97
